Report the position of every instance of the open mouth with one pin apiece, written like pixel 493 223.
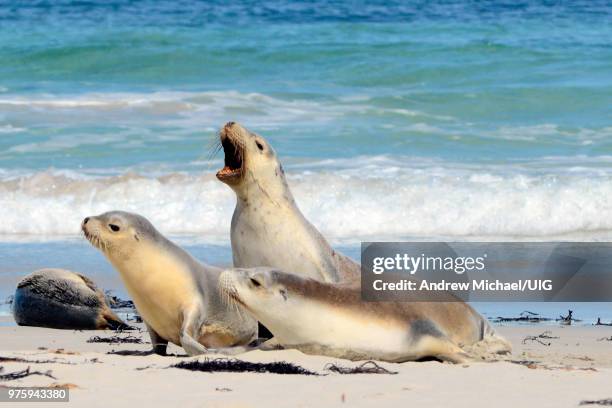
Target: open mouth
pixel 232 171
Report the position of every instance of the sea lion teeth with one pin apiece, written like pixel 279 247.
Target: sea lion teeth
pixel 234 151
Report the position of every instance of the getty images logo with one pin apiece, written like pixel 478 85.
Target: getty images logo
pixel 413 264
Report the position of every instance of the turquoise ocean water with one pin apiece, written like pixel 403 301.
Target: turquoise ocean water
pixel 394 120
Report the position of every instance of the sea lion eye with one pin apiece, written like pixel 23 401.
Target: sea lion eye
pixel 259 145
pixel 255 283
pixel 114 227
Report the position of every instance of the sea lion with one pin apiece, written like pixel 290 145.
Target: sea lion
pixel 62 299
pixel 177 296
pixel 268 228
pixel 331 319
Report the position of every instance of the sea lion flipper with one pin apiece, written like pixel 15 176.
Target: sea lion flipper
pixel 443 349
pixel 159 344
pixel 88 282
pixel 113 322
pixel 188 342
pixel 459 357
pixel 191 346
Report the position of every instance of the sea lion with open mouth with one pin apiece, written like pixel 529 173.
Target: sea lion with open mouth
pixel 267 227
pixel 330 319
pixel 177 296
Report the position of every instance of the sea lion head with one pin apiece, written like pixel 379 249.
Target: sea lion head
pixel 287 304
pixel 118 233
pixel 258 290
pixel 249 159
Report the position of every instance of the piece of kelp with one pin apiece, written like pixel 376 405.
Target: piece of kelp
pixel 546 335
pixel 25 360
pixel 131 352
pixel 567 320
pixel 525 316
pixel 16 375
pixel 600 323
pixel 137 353
pixel 115 339
pixel 604 402
pixel 240 366
pixel 369 367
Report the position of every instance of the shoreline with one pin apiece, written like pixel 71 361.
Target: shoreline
pixel 19 259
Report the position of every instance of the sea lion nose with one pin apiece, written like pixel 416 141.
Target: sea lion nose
pixel 229 124
pixel 85 220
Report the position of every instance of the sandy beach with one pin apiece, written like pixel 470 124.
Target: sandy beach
pixel 575 367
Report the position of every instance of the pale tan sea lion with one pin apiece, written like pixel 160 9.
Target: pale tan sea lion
pixel 61 299
pixel 330 319
pixel 268 228
pixel 177 296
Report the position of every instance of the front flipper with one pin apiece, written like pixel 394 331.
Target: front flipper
pixel 191 346
pixel 191 325
pixel 443 349
pixel 159 344
pixel 458 357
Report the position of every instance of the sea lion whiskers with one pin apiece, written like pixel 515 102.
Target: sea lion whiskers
pixel 96 240
pixel 214 147
pixel 223 290
pixel 230 295
pixel 91 238
pixel 240 309
pixel 234 299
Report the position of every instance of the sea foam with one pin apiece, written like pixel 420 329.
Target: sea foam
pixel 377 198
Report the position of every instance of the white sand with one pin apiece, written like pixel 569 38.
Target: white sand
pixel 573 368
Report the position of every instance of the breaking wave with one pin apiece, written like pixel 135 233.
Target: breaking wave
pixel 357 199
